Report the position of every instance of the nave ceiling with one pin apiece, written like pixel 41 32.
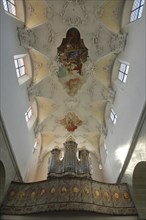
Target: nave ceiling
pixel 73 88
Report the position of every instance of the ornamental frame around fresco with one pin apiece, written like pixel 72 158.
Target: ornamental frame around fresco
pixel 71 121
pixel 72 54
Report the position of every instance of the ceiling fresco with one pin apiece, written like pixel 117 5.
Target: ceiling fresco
pixel 71 121
pixel 72 45
pixel 72 53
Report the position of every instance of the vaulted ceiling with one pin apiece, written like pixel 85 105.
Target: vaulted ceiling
pixel 72 45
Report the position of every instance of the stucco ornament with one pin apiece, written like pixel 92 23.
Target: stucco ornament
pixel 74 12
pixel 26 37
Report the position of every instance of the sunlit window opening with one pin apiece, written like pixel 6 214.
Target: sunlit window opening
pixel 113 117
pixel 105 148
pixel 123 72
pixel 137 9
pixel 9 6
pixel 34 147
pixel 20 68
pixel 28 114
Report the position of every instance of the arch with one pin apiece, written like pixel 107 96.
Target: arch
pixel 126 13
pixel 139 188
pixel 113 19
pixel 36 13
pixel 2 180
pixel 45 108
pixel 20 10
pixel 40 65
pixel 104 67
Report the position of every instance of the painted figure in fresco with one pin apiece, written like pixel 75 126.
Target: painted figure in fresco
pixel 72 55
pixel 72 52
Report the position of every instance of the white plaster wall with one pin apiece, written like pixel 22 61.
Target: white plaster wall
pixel 13 98
pixel 10 171
pixel 129 100
pixel 96 173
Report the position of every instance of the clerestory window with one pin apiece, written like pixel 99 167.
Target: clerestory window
pixel 9 6
pixel 20 68
pixel 137 9
pixel 28 114
pixel 123 72
pixel 34 147
pixel 113 117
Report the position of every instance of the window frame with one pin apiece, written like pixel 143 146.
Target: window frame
pixel 113 117
pixel 20 67
pixel 28 114
pixel 9 6
pixel 137 10
pixel 35 147
pixel 123 73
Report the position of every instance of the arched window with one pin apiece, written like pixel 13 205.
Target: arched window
pixel 10 6
pixel 35 146
pixel 113 117
pixel 31 115
pixel 23 67
pixel 123 72
pixel 19 65
pixel 28 114
pixel 137 9
pixel 15 8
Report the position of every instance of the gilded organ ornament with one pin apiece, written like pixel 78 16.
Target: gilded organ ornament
pixel 33 194
pixel 53 190
pixel 22 196
pixel 106 195
pixel 75 190
pixel 97 194
pixel 126 195
pixel 86 190
pixel 43 191
pixel 116 196
pixel 63 189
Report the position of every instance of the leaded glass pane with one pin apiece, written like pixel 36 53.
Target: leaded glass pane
pixel 22 71
pixel 5 5
pixel 122 67
pixel 20 62
pixel 17 72
pixel 121 76
pixel 140 12
pixel 142 2
pixel 16 63
pixel 12 9
pixel 124 78
pixel 127 69
pixel 136 4
pixel 134 15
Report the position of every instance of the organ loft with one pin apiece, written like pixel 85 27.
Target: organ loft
pixel 70 164
pixel 68 187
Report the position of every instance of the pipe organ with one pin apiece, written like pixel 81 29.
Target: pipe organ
pixel 70 165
